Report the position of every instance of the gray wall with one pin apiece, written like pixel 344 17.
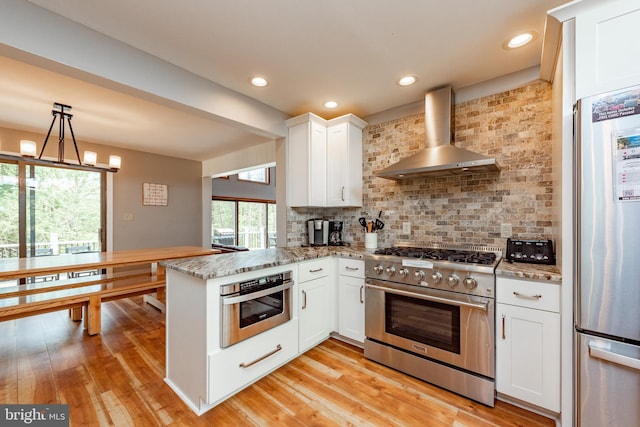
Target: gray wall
pixel 177 224
pixel 245 190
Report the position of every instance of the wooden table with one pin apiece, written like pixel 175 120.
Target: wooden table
pixel 70 293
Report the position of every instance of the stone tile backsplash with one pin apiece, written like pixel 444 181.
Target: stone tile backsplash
pixel 514 126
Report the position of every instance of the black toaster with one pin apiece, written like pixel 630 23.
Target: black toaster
pixel 531 251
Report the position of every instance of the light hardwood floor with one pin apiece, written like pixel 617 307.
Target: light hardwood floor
pixel 116 378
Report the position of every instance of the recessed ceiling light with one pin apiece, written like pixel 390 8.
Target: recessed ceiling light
pixel 407 80
pixel 259 81
pixel 331 104
pixel 521 40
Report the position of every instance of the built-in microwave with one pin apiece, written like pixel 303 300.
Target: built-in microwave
pixel 250 307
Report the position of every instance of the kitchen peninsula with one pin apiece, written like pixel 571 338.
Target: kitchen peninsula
pixel 202 367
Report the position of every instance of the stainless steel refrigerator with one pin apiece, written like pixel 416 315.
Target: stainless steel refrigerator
pixel 607 310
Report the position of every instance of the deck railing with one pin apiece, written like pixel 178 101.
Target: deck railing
pixel 10 250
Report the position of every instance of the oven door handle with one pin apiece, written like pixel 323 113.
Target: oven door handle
pixel 258 294
pixel 480 306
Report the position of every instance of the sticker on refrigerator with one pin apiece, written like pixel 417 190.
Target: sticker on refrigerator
pixel 615 105
pixel 627 165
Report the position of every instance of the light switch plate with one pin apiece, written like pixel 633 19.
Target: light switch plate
pixel 506 230
pixel 406 227
pixel 128 217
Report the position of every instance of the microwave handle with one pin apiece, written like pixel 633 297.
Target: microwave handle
pixel 253 295
pixel 482 307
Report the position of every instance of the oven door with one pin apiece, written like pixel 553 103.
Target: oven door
pixel 243 316
pixel 449 327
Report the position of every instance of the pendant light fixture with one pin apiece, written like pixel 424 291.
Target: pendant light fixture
pixel 61 113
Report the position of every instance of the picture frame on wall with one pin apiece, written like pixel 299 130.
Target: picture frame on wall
pixel 155 194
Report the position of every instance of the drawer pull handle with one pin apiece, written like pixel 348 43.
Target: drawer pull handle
pixel 519 295
pixel 351 268
pixel 504 337
pixel 261 358
pixel 316 270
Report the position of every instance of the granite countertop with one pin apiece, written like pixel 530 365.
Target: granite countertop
pixel 227 264
pixel 529 271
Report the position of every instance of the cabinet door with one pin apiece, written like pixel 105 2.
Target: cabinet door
pixel 528 355
pixel 315 324
pixel 344 164
pixel 318 165
pixel 337 157
pixel 607 56
pixel 307 164
pixel 351 307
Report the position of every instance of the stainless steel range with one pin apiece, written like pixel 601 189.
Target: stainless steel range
pixel 430 312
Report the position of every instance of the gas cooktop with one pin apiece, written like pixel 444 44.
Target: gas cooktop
pixel 440 254
pixel 437 266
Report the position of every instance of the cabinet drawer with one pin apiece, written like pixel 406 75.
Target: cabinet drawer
pixel 310 270
pixel 236 367
pixel 527 293
pixel 351 267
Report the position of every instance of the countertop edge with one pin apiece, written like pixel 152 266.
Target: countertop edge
pixel 227 264
pixel 550 273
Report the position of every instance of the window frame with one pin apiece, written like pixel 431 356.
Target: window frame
pixel 267 177
pixel 238 200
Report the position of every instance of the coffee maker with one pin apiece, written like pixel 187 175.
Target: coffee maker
pixel 318 232
pixel 335 233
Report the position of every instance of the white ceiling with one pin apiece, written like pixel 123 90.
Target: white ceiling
pixel 310 51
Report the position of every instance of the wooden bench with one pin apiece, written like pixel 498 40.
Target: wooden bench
pixel 86 293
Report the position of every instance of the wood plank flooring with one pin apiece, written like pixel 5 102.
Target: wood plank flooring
pixel 116 378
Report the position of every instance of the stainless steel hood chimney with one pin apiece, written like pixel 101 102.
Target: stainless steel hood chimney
pixel 439 157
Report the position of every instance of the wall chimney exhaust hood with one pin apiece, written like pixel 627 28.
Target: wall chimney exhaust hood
pixel 439 157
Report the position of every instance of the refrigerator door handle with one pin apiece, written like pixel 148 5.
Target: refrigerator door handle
pixel 609 356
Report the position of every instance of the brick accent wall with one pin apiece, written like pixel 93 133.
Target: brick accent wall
pixel 514 126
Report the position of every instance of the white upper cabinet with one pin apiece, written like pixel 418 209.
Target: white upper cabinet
pixel 344 156
pixel 324 161
pixel 306 161
pixel 607 54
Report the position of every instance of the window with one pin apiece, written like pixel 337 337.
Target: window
pixel 248 223
pixel 223 222
pixel 50 210
pixel 255 175
pixel 9 197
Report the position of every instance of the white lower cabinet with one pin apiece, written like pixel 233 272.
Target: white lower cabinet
pixel 243 363
pixel 528 341
pixel 351 299
pixel 314 302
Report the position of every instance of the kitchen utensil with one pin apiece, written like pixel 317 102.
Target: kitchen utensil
pixel 379 225
pixel 363 222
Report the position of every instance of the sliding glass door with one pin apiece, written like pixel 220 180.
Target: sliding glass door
pixel 50 210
